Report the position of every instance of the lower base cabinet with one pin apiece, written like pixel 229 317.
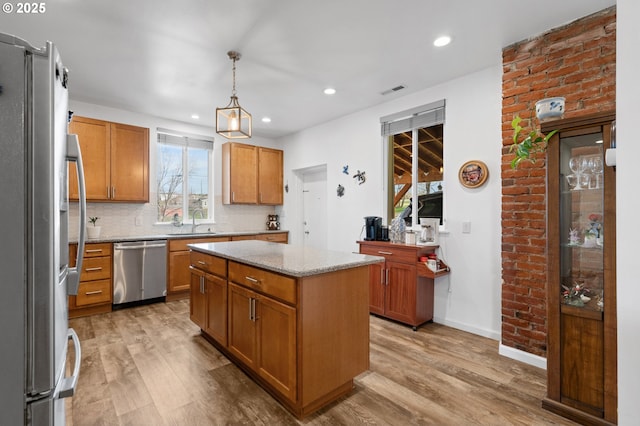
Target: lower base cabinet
pixel 262 335
pixel 273 332
pixel 95 292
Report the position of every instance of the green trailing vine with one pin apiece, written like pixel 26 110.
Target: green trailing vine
pixel 528 148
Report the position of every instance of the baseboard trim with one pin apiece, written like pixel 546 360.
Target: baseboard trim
pixel 526 357
pixel 491 334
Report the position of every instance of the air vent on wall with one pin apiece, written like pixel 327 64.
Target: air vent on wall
pixel 393 89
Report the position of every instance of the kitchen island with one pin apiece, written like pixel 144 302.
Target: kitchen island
pixel 295 319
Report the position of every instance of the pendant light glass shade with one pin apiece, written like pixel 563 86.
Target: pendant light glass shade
pixel 233 121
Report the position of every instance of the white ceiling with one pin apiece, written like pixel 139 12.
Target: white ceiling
pixel 168 58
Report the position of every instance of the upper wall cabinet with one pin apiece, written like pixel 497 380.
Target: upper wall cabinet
pixel 251 174
pixel 115 158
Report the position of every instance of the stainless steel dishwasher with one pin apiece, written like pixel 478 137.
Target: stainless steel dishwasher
pixel 139 272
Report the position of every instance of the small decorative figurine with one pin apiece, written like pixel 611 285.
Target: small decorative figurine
pixel 574 240
pixel 340 190
pixel 360 177
pixel 273 224
pixel 345 169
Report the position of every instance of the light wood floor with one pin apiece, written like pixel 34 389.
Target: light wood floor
pixel 150 366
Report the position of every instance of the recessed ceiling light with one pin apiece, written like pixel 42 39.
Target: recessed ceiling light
pixel 442 41
pixel 195 116
pixel 266 120
pixel 329 91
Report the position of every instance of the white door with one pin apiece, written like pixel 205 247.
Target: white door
pixel 314 212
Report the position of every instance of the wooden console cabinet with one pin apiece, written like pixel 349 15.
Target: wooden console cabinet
pixel 401 288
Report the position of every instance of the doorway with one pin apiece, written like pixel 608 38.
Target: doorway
pixel 314 207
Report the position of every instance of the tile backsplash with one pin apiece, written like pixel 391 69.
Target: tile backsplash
pixel 119 219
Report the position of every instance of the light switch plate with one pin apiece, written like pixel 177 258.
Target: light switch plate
pixel 466 227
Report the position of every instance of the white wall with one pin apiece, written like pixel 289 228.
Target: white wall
pixel 118 219
pixel 628 208
pixel 469 298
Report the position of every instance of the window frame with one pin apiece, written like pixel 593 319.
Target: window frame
pixel 187 141
pixel 413 120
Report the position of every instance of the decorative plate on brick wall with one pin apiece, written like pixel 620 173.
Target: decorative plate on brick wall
pixel 473 174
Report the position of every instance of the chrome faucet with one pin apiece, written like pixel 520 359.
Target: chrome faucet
pixel 194 226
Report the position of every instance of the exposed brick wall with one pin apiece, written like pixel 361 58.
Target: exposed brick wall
pixel 576 61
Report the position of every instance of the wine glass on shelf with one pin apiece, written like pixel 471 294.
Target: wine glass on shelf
pixel 598 169
pixel 574 164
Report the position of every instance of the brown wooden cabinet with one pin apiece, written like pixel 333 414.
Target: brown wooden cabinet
pixel 251 174
pixel 581 292
pixel 402 288
pixel 274 333
pixel 208 295
pixel 115 158
pixel 179 281
pixel 262 330
pixel 95 292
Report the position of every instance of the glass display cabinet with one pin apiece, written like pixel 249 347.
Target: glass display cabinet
pixel 581 296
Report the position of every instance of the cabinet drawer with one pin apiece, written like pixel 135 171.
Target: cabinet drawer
pixel 274 238
pixel 97 250
pixel 269 283
pixel 396 254
pixel 93 292
pixel 208 263
pixel 96 268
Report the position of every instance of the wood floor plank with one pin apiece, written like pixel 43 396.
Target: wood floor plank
pixel 149 365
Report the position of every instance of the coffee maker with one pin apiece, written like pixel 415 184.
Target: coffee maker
pixel 373 226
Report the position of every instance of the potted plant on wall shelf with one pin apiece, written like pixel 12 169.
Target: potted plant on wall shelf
pixel 527 148
pixel 93 231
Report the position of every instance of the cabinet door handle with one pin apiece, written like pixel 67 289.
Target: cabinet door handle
pixel 99 268
pixel 93 251
pixel 108 192
pixel 388 253
pixel 251 318
pixel 253 280
pixel 387 276
pixel 382 276
pixel 202 284
pixel 91 293
pixel 233 196
pixel 113 192
pixel 202 262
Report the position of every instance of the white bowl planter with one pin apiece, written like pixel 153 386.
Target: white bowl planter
pixel 93 232
pixel 550 108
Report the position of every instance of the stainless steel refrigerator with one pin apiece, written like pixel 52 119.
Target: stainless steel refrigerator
pixel 34 255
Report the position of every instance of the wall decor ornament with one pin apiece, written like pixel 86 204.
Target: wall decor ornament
pixel 360 177
pixel 473 174
pixel 340 190
pixel 345 169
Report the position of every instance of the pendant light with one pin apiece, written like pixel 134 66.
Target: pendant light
pixel 232 121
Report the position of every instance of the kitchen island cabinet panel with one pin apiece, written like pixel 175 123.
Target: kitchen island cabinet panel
pixel 301 332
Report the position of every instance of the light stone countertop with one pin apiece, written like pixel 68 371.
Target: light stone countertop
pixel 176 236
pixel 287 259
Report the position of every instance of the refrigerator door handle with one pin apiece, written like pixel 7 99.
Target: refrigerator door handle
pixel 74 155
pixel 68 385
